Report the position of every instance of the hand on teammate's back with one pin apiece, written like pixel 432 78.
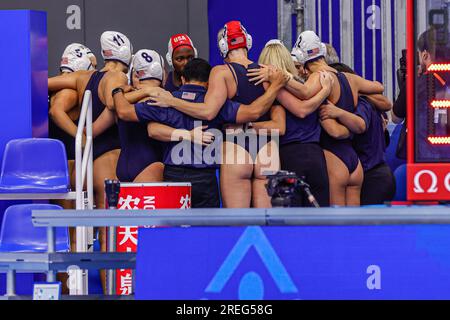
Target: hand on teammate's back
pixel 278 77
pixel 329 111
pixel 160 97
pixel 260 75
pixel 326 80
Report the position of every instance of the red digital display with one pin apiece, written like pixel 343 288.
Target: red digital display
pixel 428 101
pixel 439 140
pixel 440 104
pixel 439 67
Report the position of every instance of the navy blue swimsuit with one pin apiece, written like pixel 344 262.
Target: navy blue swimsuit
pixel 371 145
pixel 342 149
pixel 170 86
pixel 56 132
pixel 246 93
pixel 138 150
pixel 108 140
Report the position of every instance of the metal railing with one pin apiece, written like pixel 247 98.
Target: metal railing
pixel 50 219
pixel 83 173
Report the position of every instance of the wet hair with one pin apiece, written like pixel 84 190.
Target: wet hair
pixel 342 67
pixel 197 70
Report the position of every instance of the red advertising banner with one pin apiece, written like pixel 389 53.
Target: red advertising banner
pixel 147 196
pixel 429 182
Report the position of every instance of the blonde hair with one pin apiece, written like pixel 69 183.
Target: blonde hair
pixel 331 56
pixel 278 56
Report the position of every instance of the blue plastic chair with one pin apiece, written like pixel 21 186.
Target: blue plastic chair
pixel 19 235
pixel 400 181
pixel 34 166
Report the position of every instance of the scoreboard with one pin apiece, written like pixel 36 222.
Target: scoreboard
pixel 428 120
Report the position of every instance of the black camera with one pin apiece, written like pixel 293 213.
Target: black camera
pixel 112 190
pixel 284 185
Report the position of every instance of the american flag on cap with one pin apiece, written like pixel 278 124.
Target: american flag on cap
pixel 237 40
pixel 65 60
pixel 140 73
pixel 313 51
pixel 107 53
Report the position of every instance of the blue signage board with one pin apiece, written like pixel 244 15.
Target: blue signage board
pixel 289 263
pixel 24 106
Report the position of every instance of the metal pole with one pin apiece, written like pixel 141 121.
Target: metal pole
pixel 11 283
pixel 111 274
pixel 300 9
pixel 81 232
pixel 112 190
pixel 51 249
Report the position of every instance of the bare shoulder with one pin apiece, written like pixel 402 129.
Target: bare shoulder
pixel 220 67
pixel 219 70
pixel 351 76
pixel 115 75
pixel 313 77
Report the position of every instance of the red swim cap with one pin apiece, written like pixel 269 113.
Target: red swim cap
pixel 234 37
pixel 177 41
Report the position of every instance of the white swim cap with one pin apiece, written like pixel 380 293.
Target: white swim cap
pixel 309 47
pixel 274 41
pixel 116 47
pixel 294 54
pixel 148 64
pixel 75 46
pixel 75 58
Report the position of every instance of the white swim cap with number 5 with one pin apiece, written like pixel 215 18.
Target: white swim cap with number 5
pixel 116 47
pixel 75 58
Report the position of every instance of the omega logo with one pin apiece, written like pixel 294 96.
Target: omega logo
pixel 418 188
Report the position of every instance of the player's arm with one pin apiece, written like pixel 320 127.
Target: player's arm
pixel 124 110
pixel 114 80
pixel 303 108
pixel 66 81
pixel 276 123
pixel 381 102
pixel 350 120
pixel 106 120
pixel 208 110
pixel 335 129
pixel 305 91
pixel 134 96
pixel 64 101
pixel 301 91
pixel 259 107
pixel 364 86
pixel 165 133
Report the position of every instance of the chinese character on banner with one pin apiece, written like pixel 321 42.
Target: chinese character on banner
pixel 126 282
pixel 129 233
pixel 127 203
pixel 185 202
pixel 148 196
